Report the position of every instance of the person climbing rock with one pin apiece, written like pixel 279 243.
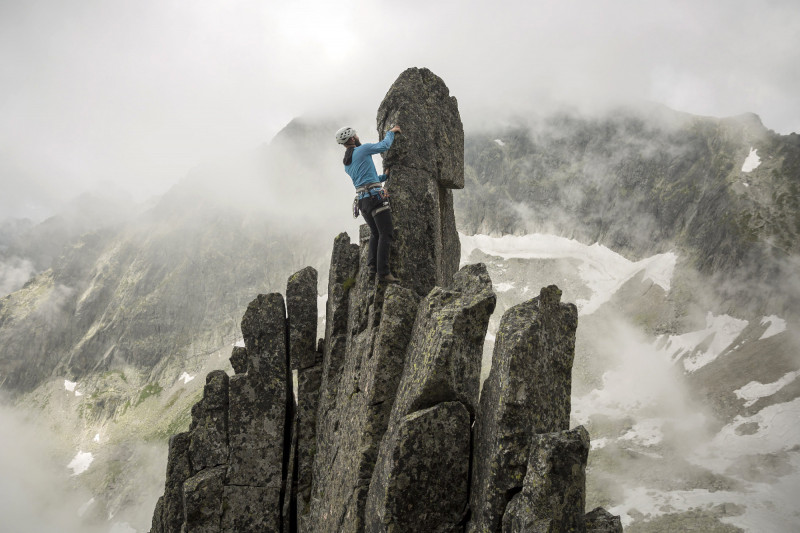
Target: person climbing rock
pixel 372 199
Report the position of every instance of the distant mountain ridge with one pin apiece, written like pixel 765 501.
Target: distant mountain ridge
pixel 644 182
pixel 126 309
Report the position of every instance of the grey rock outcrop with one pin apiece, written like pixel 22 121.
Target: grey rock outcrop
pixel 601 521
pixel 442 366
pixel 202 500
pixel 553 494
pixel 426 162
pixel 168 516
pixel 389 430
pixel 423 479
pixel 227 472
pixel 527 392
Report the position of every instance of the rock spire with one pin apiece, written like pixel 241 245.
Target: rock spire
pixel 389 430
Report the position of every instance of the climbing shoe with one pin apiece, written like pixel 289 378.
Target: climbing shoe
pixel 388 278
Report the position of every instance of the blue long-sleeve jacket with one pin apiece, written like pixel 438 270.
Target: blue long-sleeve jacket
pixel 361 169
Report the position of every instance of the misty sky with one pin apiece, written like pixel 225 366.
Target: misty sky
pixel 131 95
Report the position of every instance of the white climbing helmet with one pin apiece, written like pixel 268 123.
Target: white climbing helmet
pixel 344 134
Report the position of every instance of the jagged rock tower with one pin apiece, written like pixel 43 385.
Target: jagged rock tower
pixel 387 432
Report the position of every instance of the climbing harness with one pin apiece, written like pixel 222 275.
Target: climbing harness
pixel 368 188
pixel 382 194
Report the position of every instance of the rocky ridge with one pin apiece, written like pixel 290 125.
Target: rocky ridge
pixel 389 431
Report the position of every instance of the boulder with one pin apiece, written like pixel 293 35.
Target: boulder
pixel 553 495
pixel 202 500
pixel 601 521
pixel 423 483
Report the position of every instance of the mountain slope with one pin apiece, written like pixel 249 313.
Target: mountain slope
pixel 645 182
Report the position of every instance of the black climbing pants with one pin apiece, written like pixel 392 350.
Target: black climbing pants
pixel 381 232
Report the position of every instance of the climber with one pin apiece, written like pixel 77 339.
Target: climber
pixel 371 198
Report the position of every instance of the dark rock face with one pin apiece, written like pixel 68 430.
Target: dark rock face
pixel 301 304
pixel 257 414
pixel 308 385
pixel 553 494
pixel 387 433
pixel 426 161
pixel 227 473
pixel 378 326
pixel 208 446
pixel 601 521
pixel 202 498
pixel 433 136
pixel 527 392
pixel 423 481
pixel 442 366
pixel 239 359
pixel 168 517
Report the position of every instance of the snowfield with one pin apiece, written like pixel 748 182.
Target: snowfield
pixel 776 325
pixel 644 389
pixel 81 462
pixel 752 161
pixel 602 270
pixel 721 329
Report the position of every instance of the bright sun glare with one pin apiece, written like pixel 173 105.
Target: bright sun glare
pixel 325 29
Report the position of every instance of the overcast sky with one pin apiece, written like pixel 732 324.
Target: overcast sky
pixel 133 94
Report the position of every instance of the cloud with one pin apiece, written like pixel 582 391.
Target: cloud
pixel 39 492
pixel 141 93
pixel 14 272
pixel 35 492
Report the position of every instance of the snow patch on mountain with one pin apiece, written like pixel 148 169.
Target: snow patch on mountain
pixel 777 431
pixel 719 333
pixel 752 161
pixel 81 462
pixel 602 270
pixel 766 508
pixel 503 287
pixel 645 433
pixel 776 325
pixel 500 142
pixel 69 386
pixel 754 390
pixel 85 507
pixel 186 377
pixel 239 343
